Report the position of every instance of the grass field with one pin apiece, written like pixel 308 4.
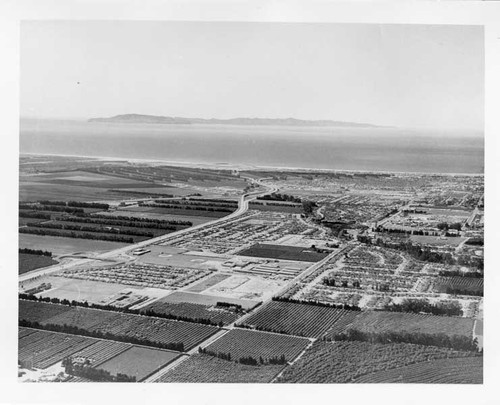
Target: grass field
pixel 243 343
pixel 283 252
pixel 202 368
pixel 446 371
pixel 298 319
pixel 63 246
pixel 346 362
pixel 139 362
pixel 379 321
pixel 28 262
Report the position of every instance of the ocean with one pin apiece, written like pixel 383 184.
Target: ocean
pixel 364 149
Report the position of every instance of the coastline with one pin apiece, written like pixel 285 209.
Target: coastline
pixel 242 167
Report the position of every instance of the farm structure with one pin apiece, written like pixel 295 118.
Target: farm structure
pixel 203 368
pixel 346 362
pixel 299 319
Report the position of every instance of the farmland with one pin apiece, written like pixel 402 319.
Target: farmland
pixel 299 319
pixel 193 311
pixel 28 262
pixel 117 326
pixel 380 322
pixel 467 370
pixel 62 246
pixel 42 349
pixel 138 362
pixel 284 253
pixel 241 343
pixel 101 351
pixel 348 277
pixel 345 362
pixel 458 285
pixel 202 368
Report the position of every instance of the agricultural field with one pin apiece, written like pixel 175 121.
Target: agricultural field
pixel 379 322
pixel 209 300
pixel 203 368
pixel 28 262
pixel 126 327
pixel 458 285
pixel 247 343
pixel 467 370
pixel 150 213
pixel 40 311
pixel 42 349
pixel 65 246
pixel 283 252
pixel 193 311
pixel 299 319
pixel 101 351
pixel 347 362
pixel 138 362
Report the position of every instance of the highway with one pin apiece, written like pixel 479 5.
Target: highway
pixel 107 256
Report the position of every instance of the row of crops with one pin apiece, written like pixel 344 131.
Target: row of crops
pixel 120 326
pixel 298 319
pixel 202 368
pixel 345 362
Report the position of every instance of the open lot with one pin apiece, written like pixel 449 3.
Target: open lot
pixel 436 240
pixel 139 362
pixel 63 246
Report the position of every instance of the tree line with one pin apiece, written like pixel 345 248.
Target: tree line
pixel 247 360
pixel 107 307
pixel 71 234
pixel 96 229
pixel 318 304
pixel 37 252
pixel 457 342
pixel 417 306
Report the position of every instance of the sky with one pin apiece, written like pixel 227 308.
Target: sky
pixel 410 76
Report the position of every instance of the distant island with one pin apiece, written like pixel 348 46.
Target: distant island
pixel 155 119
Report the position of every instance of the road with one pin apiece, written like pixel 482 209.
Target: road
pixel 242 208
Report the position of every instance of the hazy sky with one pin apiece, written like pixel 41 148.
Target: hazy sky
pixel 400 75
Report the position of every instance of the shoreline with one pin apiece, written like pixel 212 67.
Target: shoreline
pixel 243 167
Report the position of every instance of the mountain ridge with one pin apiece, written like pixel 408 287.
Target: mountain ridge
pixel 158 119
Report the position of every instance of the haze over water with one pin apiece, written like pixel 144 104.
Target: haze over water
pixel 371 149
